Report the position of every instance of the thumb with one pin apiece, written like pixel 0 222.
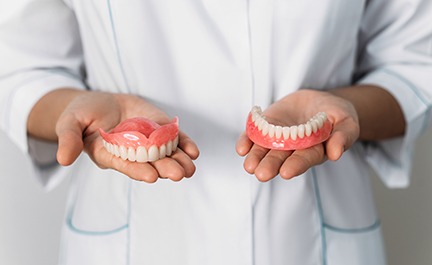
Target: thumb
pixel 70 144
pixel 342 138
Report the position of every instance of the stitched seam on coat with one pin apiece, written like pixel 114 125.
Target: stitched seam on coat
pixel 366 229
pixel 416 92
pixel 321 216
pixel 117 47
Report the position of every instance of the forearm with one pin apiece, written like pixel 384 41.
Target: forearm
pixel 43 117
pixel 380 115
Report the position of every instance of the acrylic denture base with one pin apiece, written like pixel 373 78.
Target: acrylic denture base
pixel 141 140
pixel 295 137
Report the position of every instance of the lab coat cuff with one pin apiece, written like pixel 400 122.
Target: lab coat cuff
pixel 21 102
pixel 392 159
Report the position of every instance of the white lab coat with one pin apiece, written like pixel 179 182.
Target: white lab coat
pixel 208 61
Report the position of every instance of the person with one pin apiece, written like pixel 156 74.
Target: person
pixel 69 68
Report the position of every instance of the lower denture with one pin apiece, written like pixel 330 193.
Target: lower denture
pixel 313 132
pixel 141 140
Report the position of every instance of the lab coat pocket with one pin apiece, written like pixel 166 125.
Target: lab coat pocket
pixel 100 203
pixel 94 248
pixel 350 225
pixel 365 245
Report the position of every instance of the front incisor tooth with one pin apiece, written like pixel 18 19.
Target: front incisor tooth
pixel 153 153
pixel 278 131
pixel 131 154
pixel 162 151
pixel 293 132
pixel 308 129
pixel 141 154
pixel 286 132
pixel 301 131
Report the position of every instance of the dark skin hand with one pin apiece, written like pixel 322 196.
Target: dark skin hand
pixel 357 113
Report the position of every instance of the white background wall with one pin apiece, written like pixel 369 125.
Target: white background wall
pixel 30 219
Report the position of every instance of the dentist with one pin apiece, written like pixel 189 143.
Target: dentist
pixel 71 67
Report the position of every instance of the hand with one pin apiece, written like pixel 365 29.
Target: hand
pixel 77 130
pixel 295 109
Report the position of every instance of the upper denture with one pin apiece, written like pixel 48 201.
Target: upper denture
pixel 139 139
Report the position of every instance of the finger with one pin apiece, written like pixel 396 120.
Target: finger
pixel 176 167
pixel 70 143
pixel 254 157
pixel 185 161
pixel 138 171
pixel 244 144
pixel 188 146
pixel 270 165
pixel 335 146
pixel 103 159
pixel 302 160
pixel 342 138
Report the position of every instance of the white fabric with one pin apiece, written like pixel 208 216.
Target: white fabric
pixel 207 62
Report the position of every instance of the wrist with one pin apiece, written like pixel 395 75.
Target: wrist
pixel 43 117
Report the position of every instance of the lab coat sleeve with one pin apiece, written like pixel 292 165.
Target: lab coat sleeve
pixel 395 53
pixel 40 51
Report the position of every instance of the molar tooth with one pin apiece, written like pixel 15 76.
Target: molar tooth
pixel 169 148
pixel 301 131
pixel 286 132
pixel 255 116
pixel 153 153
pixel 256 109
pixel 261 123
pixel 175 143
pixel 131 154
pixel 162 151
pixel 293 132
pixel 308 129
pixel 278 131
pixel 141 154
pixel 123 152
pixel 271 132
pixel 116 150
pixel 110 148
pixel 265 128
pixel 258 120
pixel 320 118
pixel 323 115
pixel 314 125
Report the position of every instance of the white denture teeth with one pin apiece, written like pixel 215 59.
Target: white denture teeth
pixel 287 132
pixel 142 154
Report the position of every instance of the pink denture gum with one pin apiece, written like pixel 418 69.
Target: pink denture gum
pixel 141 140
pixel 313 132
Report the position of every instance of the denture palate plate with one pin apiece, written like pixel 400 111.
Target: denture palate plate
pixel 300 136
pixel 141 140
